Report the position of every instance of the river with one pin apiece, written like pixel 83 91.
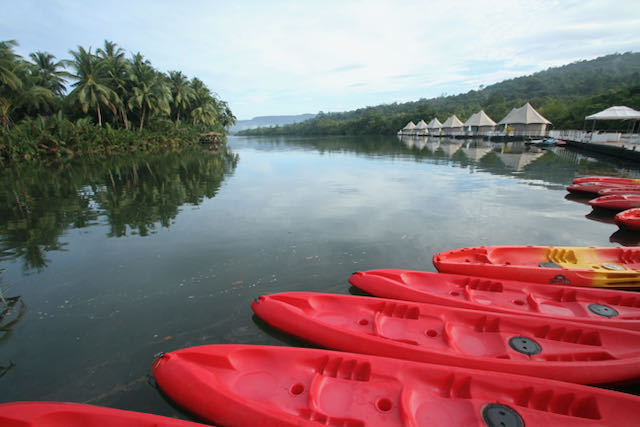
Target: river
pixel 107 263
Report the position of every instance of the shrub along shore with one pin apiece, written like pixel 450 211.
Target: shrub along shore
pixel 113 104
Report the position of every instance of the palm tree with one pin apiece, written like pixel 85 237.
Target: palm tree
pixel 117 71
pixel 8 63
pixel 227 119
pixel 204 106
pixel 181 92
pixel 46 72
pixel 150 93
pixel 10 82
pixel 90 89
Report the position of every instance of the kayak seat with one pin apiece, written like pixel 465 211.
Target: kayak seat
pixel 559 255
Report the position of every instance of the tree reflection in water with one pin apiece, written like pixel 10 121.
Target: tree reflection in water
pixel 132 194
pixel 12 310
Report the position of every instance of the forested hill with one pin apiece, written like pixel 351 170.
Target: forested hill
pixel 564 95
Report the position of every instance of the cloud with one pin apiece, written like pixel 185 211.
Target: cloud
pixel 348 67
pixel 288 57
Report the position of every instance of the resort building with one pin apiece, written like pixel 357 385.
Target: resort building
pixel 408 129
pixel 480 124
pixel 421 129
pixel 525 121
pixel 434 126
pixel 453 126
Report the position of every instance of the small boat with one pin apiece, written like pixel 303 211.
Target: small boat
pixel 549 142
pixel 60 414
pixel 604 307
pixel 627 189
pixel 617 202
pixel 242 385
pixel 629 219
pixel 609 179
pixel 613 267
pixel 517 344
pixel 592 187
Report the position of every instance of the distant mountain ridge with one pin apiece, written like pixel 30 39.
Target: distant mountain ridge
pixel 265 121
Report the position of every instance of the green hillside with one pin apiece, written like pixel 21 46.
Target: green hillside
pixel 564 95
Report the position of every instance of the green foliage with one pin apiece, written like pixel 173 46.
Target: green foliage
pixel 57 138
pixel 564 95
pixel 38 121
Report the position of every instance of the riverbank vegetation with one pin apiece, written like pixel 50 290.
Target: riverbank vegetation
pixel 564 95
pixel 99 103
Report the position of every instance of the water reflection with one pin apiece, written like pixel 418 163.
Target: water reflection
pixel 131 194
pixel 602 215
pixel 625 237
pixel 12 310
pixel 582 198
pixel 552 165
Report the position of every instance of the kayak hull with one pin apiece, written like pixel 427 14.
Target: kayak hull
pixel 454 336
pixel 635 189
pixel 241 385
pixel 607 179
pixel 629 219
pixel 592 187
pixel 604 307
pixel 612 267
pixel 60 414
pixel 618 202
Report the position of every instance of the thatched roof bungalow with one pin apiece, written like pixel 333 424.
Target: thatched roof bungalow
pixel 526 121
pixel 453 126
pixel 421 128
pixel 480 123
pixel 408 129
pixel 434 126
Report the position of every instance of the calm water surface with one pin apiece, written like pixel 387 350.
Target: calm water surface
pixel 108 263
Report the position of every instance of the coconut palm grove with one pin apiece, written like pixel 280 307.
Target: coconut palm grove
pixel 99 102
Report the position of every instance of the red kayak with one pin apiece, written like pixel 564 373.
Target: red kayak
pixel 592 187
pixel 629 219
pixel 57 414
pixel 613 267
pixel 618 202
pixel 517 344
pixel 240 385
pixel 604 307
pixel 620 190
pixel 607 179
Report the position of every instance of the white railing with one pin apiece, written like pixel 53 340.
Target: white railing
pixel 570 135
pixel 596 137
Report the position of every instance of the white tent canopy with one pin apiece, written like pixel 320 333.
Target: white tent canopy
pixel 452 122
pixel 421 125
pixel 409 126
pixel 524 115
pixel 616 113
pixel 480 119
pixel 434 124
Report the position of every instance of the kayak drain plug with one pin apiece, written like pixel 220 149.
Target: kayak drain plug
pixel 496 415
pixel 602 310
pixel 525 345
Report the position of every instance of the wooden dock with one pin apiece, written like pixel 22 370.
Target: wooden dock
pixel 615 150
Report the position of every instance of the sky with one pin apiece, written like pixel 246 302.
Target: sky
pixel 294 57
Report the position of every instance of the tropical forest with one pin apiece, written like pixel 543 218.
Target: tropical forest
pixel 564 95
pixel 100 102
